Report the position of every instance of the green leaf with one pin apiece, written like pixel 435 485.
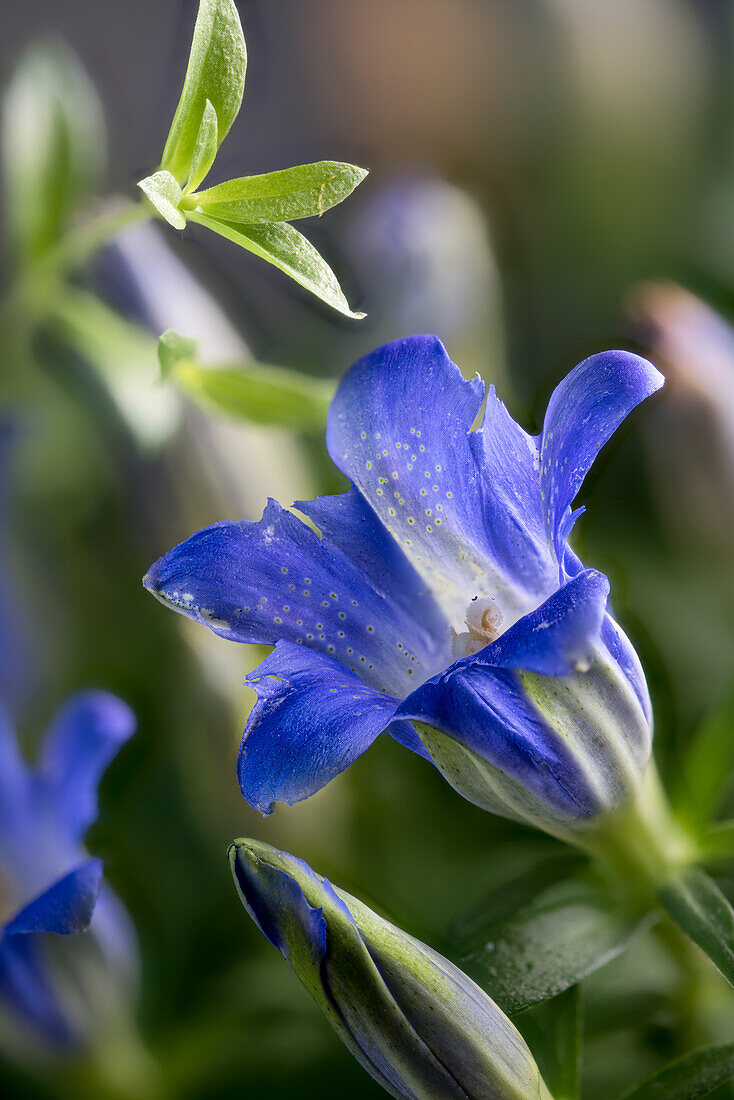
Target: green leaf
pixel 707 766
pixel 53 145
pixel 216 72
pixel 258 394
pixel 205 149
pixel 469 929
pixel 553 1032
pixel 165 194
pixel 717 842
pixel 300 192
pixel 282 245
pixel 690 1077
pixel 172 349
pixel 565 933
pixel 699 908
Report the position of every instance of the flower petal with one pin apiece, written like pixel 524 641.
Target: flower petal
pixel 26 990
pixel 546 707
pixel 348 524
pixel 312 719
pixel 487 711
pixel 65 907
pixel 482 703
pixel 399 427
pixel 276 579
pixel 510 463
pixel 558 638
pixel 278 906
pixel 84 736
pixel 584 411
pixel 14 783
pixel 625 656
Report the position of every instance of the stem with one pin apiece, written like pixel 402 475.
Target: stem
pixel 642 843
pixel 692 971
pixel 39 281
pixel 84 240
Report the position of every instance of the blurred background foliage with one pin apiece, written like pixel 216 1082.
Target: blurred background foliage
pixel 545 176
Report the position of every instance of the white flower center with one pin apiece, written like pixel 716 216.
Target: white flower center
pixel 484 621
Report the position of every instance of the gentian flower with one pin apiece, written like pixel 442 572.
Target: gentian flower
pixel 691 440
pixel 15 670
pixel 48 883
pixel 415 1022
pixel 439 600
pixel 421 248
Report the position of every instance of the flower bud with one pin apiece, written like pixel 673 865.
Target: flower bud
pixel 415 1022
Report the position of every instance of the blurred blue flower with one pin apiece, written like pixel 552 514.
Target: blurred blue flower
pixel 47 881
pixel 422 248
pixel 439 600
pixel 414 1021
pixel 15 665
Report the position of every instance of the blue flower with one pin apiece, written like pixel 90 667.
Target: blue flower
pixel 48 883
pixel 438 599
pixel 415 1022
pixel 15 648
pixel 422 250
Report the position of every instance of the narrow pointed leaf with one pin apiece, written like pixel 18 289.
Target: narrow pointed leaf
pixel 282 245
pixel 301 192
pixel 258 394
pixel 216 72
pixel 553 1032
pixel 690 1077
pixel 165 194
pixel 469 929
pixel 699 908
pixel 205 149
pixel 565 933
pixel 717 843
pixel 707 766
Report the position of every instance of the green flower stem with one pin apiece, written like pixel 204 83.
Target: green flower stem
pixel 693 974
pixel 642 843
pixel 84 240
pixel 38 283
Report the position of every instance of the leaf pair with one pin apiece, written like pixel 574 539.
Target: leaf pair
pixel 253 212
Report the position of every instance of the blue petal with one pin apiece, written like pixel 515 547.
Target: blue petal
pixel 559 637
pixel 583 413
pixel 83 738
pixel 26 990
pixel 277 904
pixel 15 785
pixel 114 931
pixel 488 711
pixel 400 428
pixel 348 524
pixel 65 907
pixel 625 655
pixel 312 719
pixel 513 509
pixel 481 701
pixel 276 579
pixel 15 648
